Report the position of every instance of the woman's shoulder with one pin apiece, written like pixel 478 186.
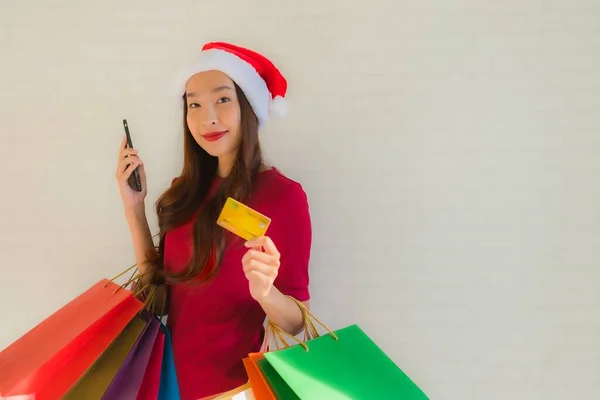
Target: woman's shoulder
pixel 284 200
pixel 279 186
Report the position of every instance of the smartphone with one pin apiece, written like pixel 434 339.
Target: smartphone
pixel 134 180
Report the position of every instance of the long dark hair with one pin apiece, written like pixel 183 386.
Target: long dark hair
pixel 187 193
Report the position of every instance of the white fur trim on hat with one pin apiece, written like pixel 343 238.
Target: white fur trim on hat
pixel 241 72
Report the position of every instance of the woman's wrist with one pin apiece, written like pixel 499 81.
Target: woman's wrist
pixel 272 298
pixel 282 310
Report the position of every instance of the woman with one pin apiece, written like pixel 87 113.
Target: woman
pixel 219 287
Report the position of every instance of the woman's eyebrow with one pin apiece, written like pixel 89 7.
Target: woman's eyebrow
pixel 217 89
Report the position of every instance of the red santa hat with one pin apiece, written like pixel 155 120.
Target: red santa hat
pixel 262 83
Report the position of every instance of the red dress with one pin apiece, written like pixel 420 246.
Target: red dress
pixel 214 325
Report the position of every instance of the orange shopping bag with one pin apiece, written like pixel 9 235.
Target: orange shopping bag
pixel 260 386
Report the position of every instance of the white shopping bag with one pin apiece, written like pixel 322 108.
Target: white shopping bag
pixel 243 392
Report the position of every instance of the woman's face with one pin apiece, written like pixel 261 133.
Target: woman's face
pixel 213 113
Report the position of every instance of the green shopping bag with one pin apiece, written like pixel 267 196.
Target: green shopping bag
pixel 344 364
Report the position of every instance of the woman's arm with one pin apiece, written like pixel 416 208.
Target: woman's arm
pixel 142 246
pixel 278 266
pixel 140 236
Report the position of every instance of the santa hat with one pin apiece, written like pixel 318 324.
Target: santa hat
pixel 262 83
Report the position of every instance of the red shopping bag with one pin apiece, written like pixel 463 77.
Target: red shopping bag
pixel 151 381
pixel 102 335
pixel 66 343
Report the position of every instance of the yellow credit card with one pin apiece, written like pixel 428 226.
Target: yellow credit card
pixel 242 220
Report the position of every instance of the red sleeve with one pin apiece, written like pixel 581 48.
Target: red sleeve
pixel 291 231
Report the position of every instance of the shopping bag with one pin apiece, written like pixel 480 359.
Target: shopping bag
pixel 121 367
pixel 278 386
pixel 128 380
pixel 243 392
pixel 260 386
pixel 342 364
pixel 151 382
pixel 169 387
pixel 96 381
pixel 30 364
pixel 108 330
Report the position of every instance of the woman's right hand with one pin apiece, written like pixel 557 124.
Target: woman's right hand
pixel 128 161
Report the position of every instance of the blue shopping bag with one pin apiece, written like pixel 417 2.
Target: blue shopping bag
pixel 169 387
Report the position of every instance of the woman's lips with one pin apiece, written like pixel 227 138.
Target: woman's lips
pixel 213 136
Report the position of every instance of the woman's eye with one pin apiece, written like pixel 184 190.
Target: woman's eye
pixel 194 105
pixel 223 100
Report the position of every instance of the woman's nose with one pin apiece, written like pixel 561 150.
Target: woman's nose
pixel 210 117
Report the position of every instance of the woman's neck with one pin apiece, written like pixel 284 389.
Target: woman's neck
pixel 225 165
pixel 224 168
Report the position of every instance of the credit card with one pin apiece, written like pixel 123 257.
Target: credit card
pixel 242 220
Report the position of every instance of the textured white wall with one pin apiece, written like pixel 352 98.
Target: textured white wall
pixel 449 149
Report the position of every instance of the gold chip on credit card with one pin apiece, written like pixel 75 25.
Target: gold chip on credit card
pixel 242 220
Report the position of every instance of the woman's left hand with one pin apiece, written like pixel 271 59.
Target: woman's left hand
pixel 261 265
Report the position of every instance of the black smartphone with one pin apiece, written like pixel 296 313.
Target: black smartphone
pixel 134 180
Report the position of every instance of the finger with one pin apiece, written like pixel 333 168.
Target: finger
pixel 122 169
pixel 258 266
pixel 123 144
pixel 125 162
pixel 128 152
pixel 128 169
pixel 260 277
pixel 264 242
pixel 260 256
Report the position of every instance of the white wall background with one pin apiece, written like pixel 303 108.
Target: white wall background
pixel 449 149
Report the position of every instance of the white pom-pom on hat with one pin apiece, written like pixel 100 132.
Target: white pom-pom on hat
pixel 278 108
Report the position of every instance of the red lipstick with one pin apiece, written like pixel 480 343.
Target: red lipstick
pixel 213 136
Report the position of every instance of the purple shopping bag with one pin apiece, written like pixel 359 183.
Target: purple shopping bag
pixel 128 380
